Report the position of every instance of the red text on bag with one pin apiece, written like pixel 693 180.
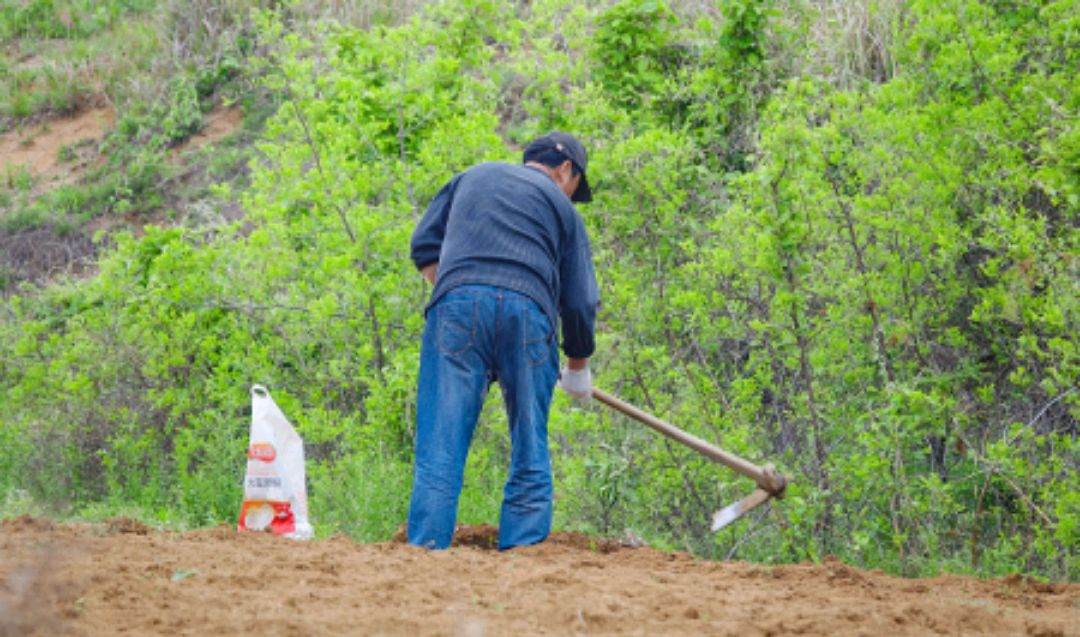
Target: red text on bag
pixel 262 451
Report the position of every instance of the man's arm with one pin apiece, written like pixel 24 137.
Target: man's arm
pixel 427 238
pixel 577 363
pixel 578 300
pixel 578 297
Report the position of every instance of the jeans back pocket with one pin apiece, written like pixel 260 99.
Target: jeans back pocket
pixel 456 321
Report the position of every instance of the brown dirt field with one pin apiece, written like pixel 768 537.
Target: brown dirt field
pixel 123 578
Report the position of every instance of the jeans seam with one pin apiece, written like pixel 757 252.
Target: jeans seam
pixel 546 340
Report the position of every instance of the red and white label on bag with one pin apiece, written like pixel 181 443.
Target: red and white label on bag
pixel 262 451
pixel 267 515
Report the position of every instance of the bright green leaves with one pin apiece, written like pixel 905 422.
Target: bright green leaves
pixel 632 47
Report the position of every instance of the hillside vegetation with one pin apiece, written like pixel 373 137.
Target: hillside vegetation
pixel 837 236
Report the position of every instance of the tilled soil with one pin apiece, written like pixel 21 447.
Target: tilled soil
pixel 122 578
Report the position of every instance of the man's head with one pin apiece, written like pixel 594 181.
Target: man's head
pixel 563 158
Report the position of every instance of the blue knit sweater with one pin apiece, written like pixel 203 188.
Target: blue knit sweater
pixel 510 226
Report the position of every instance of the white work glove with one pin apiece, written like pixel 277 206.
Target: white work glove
pixel 577 383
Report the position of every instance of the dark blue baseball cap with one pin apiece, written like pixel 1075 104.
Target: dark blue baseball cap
pixel 573 150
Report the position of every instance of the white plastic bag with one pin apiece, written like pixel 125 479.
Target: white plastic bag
pixel 275 495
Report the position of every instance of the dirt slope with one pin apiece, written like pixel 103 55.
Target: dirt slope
pixel 121 578
pixel 38 149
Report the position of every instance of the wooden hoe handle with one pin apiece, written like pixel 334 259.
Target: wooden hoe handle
pixel 765 477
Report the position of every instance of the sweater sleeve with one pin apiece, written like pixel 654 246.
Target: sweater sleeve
pixel 427 238
pixel 579 294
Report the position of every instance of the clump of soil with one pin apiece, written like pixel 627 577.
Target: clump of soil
pixel 123 525
pixel 26 523
pixel 483 536
pixel 129 579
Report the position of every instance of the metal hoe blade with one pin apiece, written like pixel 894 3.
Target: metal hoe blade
pixel 732 512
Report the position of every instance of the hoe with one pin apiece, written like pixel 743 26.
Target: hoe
pixel 770 483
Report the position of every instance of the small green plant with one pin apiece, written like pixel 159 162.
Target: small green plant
pixel 18 177
pixel 62 89
pixel 23 217
pixel 66 153
pixel 182 574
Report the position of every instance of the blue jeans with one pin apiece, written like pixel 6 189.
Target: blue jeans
pixel 475 335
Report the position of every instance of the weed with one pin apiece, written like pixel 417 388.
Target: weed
pixel 68 19
pixel 62 91
pixel 17 177
pixel 94 45
pixel 19 502
pixel 23 218
pixel 182 574
pixel 20 105
pixel 225 162
pixel 66 153
pixel 64 227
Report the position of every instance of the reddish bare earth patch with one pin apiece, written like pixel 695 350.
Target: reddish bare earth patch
pixel 121 578
pixel 220 123
pixel 38 149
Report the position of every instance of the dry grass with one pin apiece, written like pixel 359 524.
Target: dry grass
pixel 846 42
pixel 363 14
